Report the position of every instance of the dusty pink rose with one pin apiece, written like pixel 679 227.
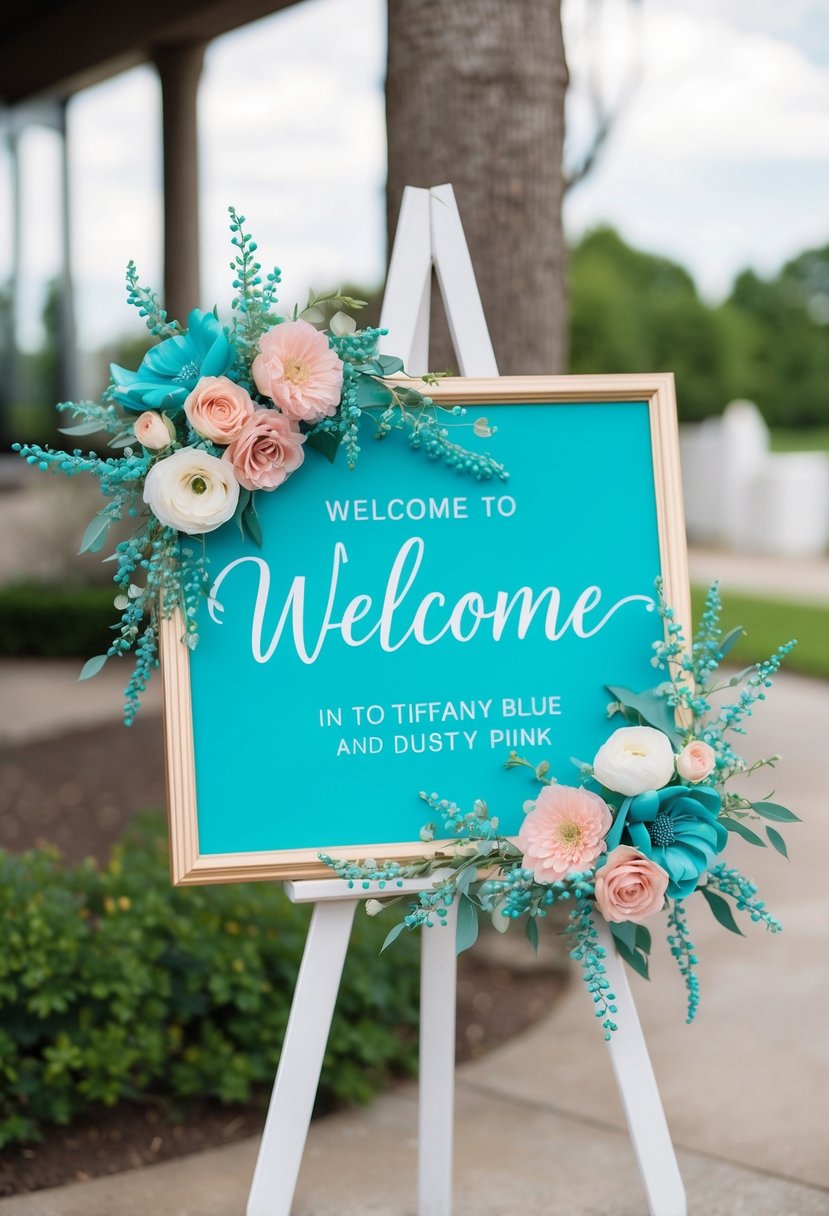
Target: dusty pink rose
pixel 217 409
pixel 564 832
pixel 268 450
pixel 152 431
pixel 630 886
pixel 696 761
pixel 299 371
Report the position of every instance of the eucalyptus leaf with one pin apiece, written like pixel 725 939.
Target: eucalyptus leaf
pixel 777 842
pixel 643 939
pixel 467 933
pixel 393 935
pixel 722 910
pixel 653 710
pixel 634 959
pixel 123 440
pixel 244 499
pixel 82 428
pixel 775 812
pixel 251 523
pixel 389 364
pixel 739 828
pixel 624 932
pixel 531 932
pixel 729 640
pixel 325 443
pixel 95 534
pixel 92 666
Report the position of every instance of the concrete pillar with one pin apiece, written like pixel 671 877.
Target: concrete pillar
pixel 67 332
pixel 179 69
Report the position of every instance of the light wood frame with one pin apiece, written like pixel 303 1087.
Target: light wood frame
pixel 188 865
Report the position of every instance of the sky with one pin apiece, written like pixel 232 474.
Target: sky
pixel 718 158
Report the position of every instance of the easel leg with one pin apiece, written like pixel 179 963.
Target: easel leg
pixel 292 1101
pixel 438 986
pixel 642 1104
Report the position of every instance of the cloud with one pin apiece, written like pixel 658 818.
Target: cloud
pixel 723 153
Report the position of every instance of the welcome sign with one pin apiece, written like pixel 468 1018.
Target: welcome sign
pixel 404 627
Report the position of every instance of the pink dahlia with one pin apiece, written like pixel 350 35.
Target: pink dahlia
pixel 564 832
pixel 299 371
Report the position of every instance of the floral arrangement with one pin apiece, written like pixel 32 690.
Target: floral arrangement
pixel 216 414
pixel 641 831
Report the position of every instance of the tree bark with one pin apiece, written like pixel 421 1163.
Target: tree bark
pixel 475 96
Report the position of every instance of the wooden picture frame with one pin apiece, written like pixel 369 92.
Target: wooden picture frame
pixel 190 864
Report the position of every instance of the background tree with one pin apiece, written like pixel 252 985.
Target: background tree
pixel 475 96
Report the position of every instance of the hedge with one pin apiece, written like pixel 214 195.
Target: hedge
pixel 114 985
pixel 55 622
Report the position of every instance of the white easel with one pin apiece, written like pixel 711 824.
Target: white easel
pixel 430 234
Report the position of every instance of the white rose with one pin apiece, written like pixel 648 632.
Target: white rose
pixel 191 491
pixel 634 759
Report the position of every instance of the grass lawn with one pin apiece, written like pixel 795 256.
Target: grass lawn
pixel 804 439
pixel 770 623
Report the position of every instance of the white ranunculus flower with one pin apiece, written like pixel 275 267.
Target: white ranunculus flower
pixel 191 491
pixel 634 759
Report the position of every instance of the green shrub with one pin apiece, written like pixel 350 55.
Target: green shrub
pixel 56 622
pixel 113 985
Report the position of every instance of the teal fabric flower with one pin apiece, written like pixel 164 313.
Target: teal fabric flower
pixel 170 371
pixel 677 827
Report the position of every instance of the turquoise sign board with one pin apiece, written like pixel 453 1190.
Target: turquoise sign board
pixel 404 627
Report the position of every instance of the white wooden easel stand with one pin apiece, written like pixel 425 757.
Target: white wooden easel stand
pixel 430 235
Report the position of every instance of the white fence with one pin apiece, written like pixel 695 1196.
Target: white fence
pixel 741 495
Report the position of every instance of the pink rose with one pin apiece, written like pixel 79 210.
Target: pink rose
pixel 696 761
pixel 152 432
pixel 630 886
pixel 217 409
pixel 268 450
pixel 564 832
pixel 299 371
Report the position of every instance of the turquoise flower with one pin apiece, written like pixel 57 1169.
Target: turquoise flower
pixel 678 828
pixel 170 371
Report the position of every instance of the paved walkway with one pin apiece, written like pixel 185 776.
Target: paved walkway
pixel 539 1125
pixel 800 579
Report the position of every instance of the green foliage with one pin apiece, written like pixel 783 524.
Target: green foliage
pixel 765 619
pixel 632 311
pixel 115 985
pixel 55 622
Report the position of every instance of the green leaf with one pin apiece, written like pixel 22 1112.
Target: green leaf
pixel 83 428
pixel 123 440
pixel 775 812
pixel 325 442
pixel 371 393
pixel 653 710
pixel 251 523
pixel 643 939
pixel 467 925
pixel 638 962
pixel 737 826
pixel 389 364
pixel 531 932
pixel 777 842
pixel 722 910
pixel 244 499
pixel 92 666
pixel 393 935
pixel 729 640
pixel 95 534
pixel 624 932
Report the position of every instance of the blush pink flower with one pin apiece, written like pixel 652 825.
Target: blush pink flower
pixel 217 409
pixel 268 451
pixel 630 886
pixel 696 761
pixel 299 371
pixel 152 432
pixel 564 832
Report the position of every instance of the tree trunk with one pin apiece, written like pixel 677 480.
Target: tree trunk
pixel 475 96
